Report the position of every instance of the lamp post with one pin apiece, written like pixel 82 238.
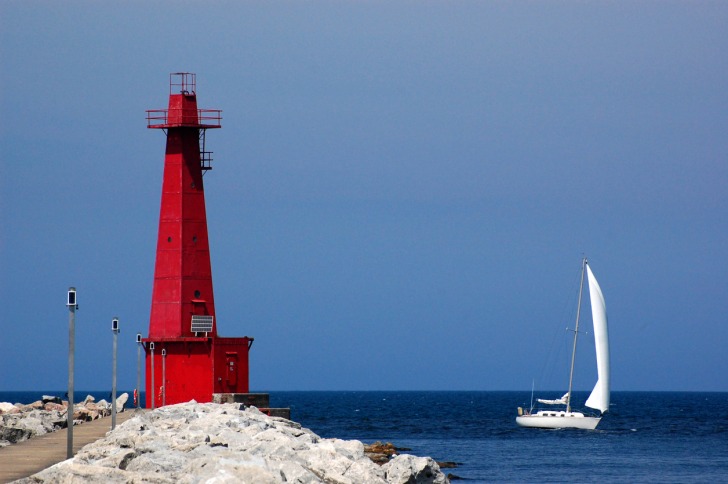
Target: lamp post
pixel 72 306
pixel 115 330
pixel 139 370
pixel 151 347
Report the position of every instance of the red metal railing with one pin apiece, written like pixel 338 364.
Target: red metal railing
pixel 204 118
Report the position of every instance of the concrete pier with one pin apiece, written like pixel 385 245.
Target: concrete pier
pixel 33 455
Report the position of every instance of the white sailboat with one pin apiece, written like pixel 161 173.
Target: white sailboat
pixel 599 398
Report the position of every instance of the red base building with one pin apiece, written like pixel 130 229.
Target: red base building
pixel 185 358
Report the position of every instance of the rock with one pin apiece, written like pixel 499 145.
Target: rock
pixel 81 413
pixel 35 405
pixel 381 453
pixel 379 459
pixel 33 423
pixel 408 469
pixel 18 427
pixel 121 401
pixel 13 435
pixel 6 407
pixel 20 422
pixel 191 443
pixel 50 399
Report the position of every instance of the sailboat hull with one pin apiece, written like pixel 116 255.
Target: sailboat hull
pixel 558 420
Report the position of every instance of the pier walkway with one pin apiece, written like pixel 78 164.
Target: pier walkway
pixel 37 453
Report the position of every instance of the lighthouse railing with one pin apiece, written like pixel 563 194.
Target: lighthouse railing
pixel 204 118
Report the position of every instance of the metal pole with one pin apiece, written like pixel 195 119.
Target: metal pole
pixel 164 377
pixel 115 330
pixel 139 370
pixel 151 346
pixel 71 303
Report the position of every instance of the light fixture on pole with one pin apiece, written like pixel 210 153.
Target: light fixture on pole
pixel 72 305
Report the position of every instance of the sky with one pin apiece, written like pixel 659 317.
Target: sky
pixel 402 191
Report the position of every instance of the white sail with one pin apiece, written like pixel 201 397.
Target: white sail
pixel 599 398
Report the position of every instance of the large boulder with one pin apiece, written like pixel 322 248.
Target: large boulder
pixel 13 435
pixel 408 469
pixel 193 442
pixel 50 406
pixel 121 401
pixel 33 406
pixel 7 407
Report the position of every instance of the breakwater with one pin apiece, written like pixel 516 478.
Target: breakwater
pixel 194 442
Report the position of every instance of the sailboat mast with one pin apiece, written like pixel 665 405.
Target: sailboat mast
pixel 576 335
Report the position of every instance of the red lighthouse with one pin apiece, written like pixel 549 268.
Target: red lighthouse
pixel 185 358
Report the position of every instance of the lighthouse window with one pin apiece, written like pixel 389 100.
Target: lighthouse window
pixel 169 239
pixel 197 294
pixel 194 239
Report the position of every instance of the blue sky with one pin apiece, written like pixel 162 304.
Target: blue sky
pixel 401 192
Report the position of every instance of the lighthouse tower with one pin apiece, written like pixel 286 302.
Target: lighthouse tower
pixel 185 358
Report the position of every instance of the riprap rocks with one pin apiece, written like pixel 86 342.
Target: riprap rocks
pixel 195 443
pixel 20 422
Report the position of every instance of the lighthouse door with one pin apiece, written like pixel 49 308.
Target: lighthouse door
pixel 231 363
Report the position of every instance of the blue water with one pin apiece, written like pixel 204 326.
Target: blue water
pixel 646 437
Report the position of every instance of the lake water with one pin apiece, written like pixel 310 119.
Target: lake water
pixel 646 437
